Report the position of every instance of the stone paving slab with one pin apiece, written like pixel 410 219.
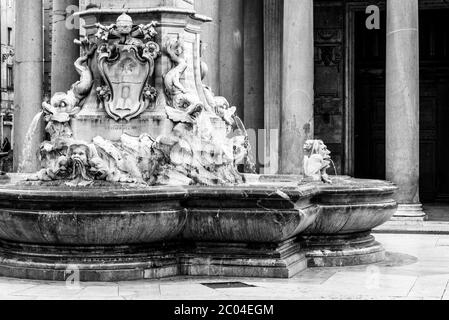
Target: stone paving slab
pixel 416 268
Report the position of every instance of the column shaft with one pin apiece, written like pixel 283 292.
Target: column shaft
pixel 272 83
pixel 28 79
pixel 402 104
pixel 64 50
pixel 253 76
pixel 297 84
pixel 231 52
pixel 2 134
pixel 210 33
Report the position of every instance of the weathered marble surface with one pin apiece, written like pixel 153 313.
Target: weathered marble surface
pixel 269 227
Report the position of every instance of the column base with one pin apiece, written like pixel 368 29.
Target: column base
pixel 410 212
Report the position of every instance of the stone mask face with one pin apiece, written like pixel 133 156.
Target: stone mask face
pixel 324 152
pixel 79 154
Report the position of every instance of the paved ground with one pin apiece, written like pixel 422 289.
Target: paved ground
pixel 417 267
pixel 437 222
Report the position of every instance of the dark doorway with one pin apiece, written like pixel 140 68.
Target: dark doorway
pixel 369 103
pixel 369 99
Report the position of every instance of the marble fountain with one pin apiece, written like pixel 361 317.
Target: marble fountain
pixel 146 174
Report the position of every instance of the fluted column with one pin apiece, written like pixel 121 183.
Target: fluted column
pixel 64 51
pixel 402 105
pixel 272 30
pixel 28 79
pixel 289 79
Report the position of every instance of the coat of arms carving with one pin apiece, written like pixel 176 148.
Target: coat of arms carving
pixel 126 63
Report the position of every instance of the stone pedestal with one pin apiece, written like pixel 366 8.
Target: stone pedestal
pixel 28 83
pixel 173 22
pixel 402 105
pixel 282 260
pixel 343 250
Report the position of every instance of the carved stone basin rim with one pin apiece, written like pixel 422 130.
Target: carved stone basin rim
pixel 263 213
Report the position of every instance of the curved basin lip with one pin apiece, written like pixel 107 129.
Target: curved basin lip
pixel 359 186
pixel 269 190
pixel 360 190
pixel 45 194
pixel 163 192
pixel 247 191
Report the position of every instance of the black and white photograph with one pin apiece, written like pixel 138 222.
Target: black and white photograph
pixel 224 155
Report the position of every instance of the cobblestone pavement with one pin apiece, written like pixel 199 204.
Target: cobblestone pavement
pixel 417 267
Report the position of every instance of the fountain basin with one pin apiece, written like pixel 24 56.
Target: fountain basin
pixel 267 228
pixel 96 216
pixel 350 209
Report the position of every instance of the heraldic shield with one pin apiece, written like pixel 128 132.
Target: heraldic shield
pixel 126 73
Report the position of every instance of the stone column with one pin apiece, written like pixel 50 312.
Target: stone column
pixel 272 30
pixel 297 84
pixel 64 51
pixel 253 108
pixel 289 79
pixel 210 32
pixel 231 52
pixel 28 79
pixel 402 105
pixel 12 134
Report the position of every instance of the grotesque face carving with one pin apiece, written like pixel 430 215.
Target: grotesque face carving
pixel 316 160
pixel 323 151
pixel 316 147
pixel 79 154
pixel 124 24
